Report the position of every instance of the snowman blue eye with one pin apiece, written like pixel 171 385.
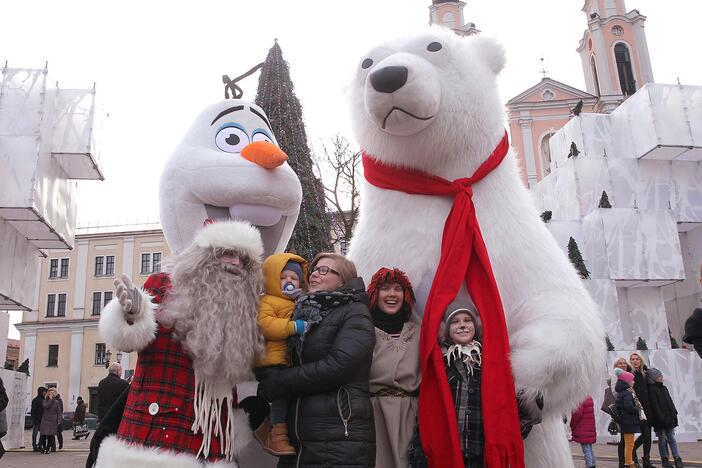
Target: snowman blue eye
pixel 231 138
pixel 261 135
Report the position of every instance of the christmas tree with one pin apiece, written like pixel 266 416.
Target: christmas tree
pixel 276 97
pixel 546 216
pixel 604 201
pixel 610 346
pixel 577 259
pixel 641 344
pixel 673 342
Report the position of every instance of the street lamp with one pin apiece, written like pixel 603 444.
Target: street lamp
pixel 119 356
pixel 108 355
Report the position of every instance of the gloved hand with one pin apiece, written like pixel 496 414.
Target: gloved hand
pixel 301 327
pixel 129 298
pixel 529 412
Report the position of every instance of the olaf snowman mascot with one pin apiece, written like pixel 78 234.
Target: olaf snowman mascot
pixel 194 327
pixel 429 105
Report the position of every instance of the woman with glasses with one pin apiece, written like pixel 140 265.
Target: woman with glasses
pixel 330 417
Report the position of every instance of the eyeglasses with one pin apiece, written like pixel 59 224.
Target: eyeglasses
pixel 323 270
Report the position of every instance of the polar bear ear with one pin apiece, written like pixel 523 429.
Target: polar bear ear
pixel 491 51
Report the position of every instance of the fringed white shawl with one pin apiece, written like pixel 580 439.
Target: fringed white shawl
pixel 210 399
pixel 471 354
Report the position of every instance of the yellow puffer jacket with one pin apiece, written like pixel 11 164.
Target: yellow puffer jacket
pixel 275 309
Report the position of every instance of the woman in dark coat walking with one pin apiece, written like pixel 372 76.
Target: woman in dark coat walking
pixel 330 417
pixel 664 418
pixel 50 421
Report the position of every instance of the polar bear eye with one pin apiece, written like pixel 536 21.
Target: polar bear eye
pixel 367 63
pixel 434 47
pixel 231 139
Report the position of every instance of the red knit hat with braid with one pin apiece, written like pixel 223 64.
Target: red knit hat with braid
pixel 385 276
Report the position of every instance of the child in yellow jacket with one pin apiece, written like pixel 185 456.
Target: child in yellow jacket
pixel 285 276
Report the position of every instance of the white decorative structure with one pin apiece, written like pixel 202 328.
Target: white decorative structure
pixel 15 386
pixel 46 142
pixel 644 253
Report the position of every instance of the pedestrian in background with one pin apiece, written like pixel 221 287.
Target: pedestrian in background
pixel 36 413
pixel 584 432
pixel 664 418
pixel 110 388
pixel 59 429
pixel 629 410
pixel 639 369
pixel 49 422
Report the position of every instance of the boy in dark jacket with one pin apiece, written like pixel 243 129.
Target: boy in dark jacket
pixel 629 410
pixel 37 412
pixel 664 418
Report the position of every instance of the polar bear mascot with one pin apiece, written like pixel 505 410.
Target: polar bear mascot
pixel 227 198
pixel 444 202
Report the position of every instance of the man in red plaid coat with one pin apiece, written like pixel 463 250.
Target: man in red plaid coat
pixel 196 340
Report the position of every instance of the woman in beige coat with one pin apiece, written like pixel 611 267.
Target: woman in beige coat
pixel 394 375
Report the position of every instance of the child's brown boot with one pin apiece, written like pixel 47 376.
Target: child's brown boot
pixel 278 442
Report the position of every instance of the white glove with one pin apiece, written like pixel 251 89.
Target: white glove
pixel 129 298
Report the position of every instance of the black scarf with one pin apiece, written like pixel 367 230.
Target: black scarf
pixel 389 323
pixel 313 307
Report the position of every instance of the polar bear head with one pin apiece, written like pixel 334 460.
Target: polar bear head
pixel 430 101
pixel 229 166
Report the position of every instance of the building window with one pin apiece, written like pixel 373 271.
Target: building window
pixel 53 268
pixel 105 265
pixel 99 265
pixel 108 297
pixel 548 95
pixel 624 69
pixel 51 305
pixel 61 312
pixel 150 263
pixel 64 268
pixel 546 154
pixel 595 78
pixel 53 355
pixel 97 301
pixel 99 354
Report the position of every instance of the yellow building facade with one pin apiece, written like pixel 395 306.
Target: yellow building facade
pixel 60 335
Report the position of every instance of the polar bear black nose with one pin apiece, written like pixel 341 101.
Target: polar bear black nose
pixel 389 79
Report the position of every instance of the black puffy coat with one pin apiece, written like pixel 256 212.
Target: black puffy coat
pixel 663 413
pixel 628 411
pixel 328 384
pixel 641 389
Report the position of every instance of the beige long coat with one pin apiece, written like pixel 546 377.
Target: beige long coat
pixel 395 364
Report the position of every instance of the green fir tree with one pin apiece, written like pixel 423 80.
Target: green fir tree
pixel 673 342
pixel 277 98
pixel 610 346
pixel 577 259
pixel 641 344
pixel 604 201
pixel 546 216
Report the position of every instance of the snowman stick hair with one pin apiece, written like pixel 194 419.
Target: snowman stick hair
pixel 232 85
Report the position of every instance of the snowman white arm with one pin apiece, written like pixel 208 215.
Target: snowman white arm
pixel 128 323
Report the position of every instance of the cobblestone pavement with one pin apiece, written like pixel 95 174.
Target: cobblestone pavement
pixel 75 452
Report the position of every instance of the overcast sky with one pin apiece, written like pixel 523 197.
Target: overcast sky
pixel 157 64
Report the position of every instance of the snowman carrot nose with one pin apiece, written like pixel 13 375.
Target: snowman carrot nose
pixel 264 154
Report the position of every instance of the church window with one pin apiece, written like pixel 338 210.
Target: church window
pixel 548 95
pixel 617 30
pixel 546 154
pixel 449 20
pixel 624 69
pixel 595 78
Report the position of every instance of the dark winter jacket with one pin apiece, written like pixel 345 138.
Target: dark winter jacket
pixel 79 413
pixel 327 385
pixel 641 389
pixel 628 411
pixel 109 389
pixel 37 410
pixel 663 413
pixel 52 417
pixel 582 423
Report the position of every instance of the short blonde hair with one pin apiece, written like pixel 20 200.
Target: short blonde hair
pixel 345 267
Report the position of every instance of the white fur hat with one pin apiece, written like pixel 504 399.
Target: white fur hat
pixel 235 235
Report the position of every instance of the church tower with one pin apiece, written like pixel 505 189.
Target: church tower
pixel 450 14
pixel 614 52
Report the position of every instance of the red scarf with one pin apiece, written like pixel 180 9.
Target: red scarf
pixel 463 258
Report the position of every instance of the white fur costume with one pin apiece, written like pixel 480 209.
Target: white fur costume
pixel 207 177
pixel 444 117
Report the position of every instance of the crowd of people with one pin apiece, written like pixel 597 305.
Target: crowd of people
pixel 637 401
